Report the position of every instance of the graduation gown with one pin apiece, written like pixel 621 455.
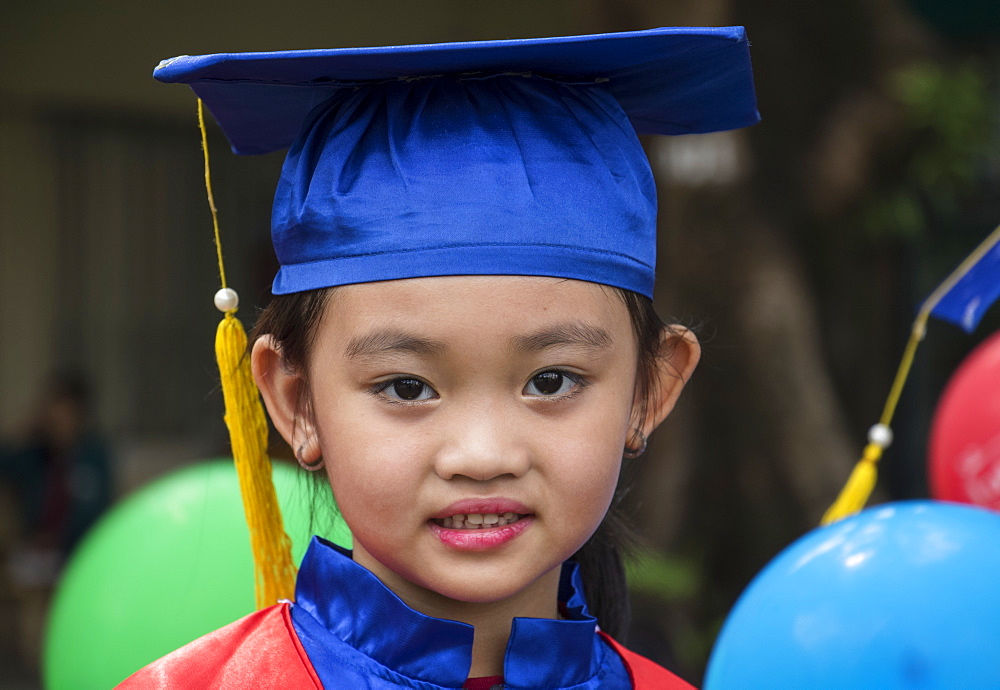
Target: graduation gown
pixel 347 630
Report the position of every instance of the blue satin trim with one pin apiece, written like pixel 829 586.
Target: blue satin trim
pixel 359 634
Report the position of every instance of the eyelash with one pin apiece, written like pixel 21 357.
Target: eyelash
pixel 579 383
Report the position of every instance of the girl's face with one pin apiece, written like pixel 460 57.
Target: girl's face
pixel 472 427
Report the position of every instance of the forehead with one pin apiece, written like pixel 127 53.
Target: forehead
pixel 476 304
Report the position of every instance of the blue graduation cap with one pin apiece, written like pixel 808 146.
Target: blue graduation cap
pixel 969 291
pixel 514 157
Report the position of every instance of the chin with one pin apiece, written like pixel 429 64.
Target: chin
pixel 486 591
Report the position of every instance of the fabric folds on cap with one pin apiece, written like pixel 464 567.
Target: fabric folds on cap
pixel 487 158
pixel 458 176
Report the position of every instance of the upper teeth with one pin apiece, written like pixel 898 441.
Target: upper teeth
pixel 478 520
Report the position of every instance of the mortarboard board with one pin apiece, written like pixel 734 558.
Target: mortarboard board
pixel 492 157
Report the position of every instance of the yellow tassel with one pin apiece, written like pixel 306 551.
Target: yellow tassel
pixel 274 571
pixel 272 555
pixel 858 488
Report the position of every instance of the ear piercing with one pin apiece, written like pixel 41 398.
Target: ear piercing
pixel 631 451
pixel 308 466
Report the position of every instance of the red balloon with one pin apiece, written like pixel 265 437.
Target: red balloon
pixel 965 433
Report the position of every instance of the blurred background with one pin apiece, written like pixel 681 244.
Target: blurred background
pixel 799 249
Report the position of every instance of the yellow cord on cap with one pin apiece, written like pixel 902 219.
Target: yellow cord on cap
pixel 861 483
pixel 272 555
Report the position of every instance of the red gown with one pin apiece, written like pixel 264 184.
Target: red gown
pixel 338 640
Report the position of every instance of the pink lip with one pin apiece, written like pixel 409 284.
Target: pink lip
pixel 485 538
pixel 483 506
pixel 480 539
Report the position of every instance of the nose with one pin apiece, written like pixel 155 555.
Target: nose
pixel 483 443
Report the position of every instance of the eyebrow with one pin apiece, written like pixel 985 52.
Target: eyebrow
pixel 573 334
pixel 389 342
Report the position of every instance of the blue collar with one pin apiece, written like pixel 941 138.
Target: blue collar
pixel 353 606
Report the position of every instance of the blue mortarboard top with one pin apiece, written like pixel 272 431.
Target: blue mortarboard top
pixel 514 157
pixel 966 301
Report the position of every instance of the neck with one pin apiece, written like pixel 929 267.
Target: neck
pixel 492 622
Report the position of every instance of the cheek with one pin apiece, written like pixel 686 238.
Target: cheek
pixel 588 474
pixel 598 432
pixel 357 472
pixel 584 503
pixel 598 480
pixel 590 462
pixel 374 468
pixel 367 496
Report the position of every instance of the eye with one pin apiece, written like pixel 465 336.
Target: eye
pixel 405 389
pixel 552 384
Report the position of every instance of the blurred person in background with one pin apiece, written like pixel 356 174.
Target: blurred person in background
pixel 57 474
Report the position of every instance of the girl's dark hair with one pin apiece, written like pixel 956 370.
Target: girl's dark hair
pixel 292 321
pixel 602 558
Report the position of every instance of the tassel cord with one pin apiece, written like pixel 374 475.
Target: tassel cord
pixel 860 484
pixel 211 196
pixel 274 570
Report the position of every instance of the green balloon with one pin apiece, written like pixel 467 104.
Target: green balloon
pixel 166 565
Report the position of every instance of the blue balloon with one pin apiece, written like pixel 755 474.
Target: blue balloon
pixel 903 595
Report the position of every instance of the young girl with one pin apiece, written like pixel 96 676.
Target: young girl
pixel 462 339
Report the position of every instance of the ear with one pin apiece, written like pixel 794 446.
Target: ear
pixel 284 392
pixel 679 355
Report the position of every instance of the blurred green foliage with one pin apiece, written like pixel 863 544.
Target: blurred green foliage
pixel 661 577
pixel 664 582
pixel 946 118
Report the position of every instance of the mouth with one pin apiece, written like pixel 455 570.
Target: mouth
pixel 474 521
pixel 478 525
